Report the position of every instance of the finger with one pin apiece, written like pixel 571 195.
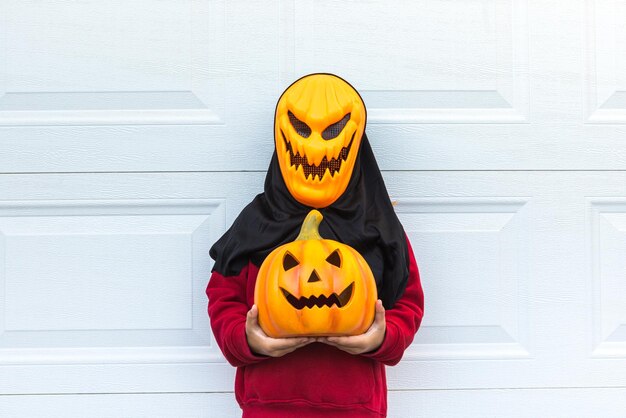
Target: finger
pixel 347 349
pixel 252 315
pixel 334 344
pixel 279 344
pixel 346 341
pixel 379 319
pixel 380 312
pixel 282 352
pixel 379 306
pixel 306 341
pixel 286 351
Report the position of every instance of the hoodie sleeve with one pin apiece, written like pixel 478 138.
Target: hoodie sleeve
pixel 403 320
pixel 227 311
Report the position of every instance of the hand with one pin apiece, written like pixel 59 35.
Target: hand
pixel 370 340
pixel 260 343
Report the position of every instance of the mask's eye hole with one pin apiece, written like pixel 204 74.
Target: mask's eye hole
pixel 334 258
pixel 332 131
pixel 289 261
pixel 301 128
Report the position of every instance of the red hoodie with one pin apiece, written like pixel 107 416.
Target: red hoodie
pixel 318 379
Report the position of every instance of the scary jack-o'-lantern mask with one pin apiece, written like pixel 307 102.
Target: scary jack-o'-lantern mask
pixel 318 128
pixel 315 286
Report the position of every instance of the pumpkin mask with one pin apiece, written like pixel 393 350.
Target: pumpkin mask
pixel 314 286
pixel 319 123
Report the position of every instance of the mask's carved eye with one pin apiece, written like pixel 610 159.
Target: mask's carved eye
pixel 334 258
pixel 332 131
pixel 289 261
pixel 301 128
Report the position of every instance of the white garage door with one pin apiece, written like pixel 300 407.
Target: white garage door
pixel 132 133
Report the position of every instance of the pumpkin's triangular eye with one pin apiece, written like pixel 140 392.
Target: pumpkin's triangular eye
pixel 289 261
pixel 332 131
pixel 301 128
pixel 334 258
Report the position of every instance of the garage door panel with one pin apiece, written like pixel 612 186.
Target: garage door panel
pixel 123 273
pixel 608 246
pixel 605 62
pixel 130 63
pixel 470 249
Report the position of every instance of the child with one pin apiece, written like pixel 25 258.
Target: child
pixel 322 160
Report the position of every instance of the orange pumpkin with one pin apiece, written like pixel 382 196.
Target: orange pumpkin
pixel 319 123
pixel 314 286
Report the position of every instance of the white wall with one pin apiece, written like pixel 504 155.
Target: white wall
pixel 132 133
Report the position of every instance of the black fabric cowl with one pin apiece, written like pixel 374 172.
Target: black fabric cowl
pixel 362 217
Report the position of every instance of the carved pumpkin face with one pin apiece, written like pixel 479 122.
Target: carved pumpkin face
pixel 318 128
pixel 315 286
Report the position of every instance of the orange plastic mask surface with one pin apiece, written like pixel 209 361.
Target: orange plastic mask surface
pixel 315 286
pixel 319 124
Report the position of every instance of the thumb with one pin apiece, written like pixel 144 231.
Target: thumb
pixel 253 314
pixel 380 312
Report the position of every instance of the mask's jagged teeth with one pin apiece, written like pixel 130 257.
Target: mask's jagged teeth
pixel 337 150
pixel 300 148
pixel 330 153
pixel 316 158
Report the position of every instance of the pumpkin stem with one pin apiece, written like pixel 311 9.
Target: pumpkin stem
pixel 310 226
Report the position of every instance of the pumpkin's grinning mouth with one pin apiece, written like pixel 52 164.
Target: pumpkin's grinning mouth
pixel 302 302
pixel 333 166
